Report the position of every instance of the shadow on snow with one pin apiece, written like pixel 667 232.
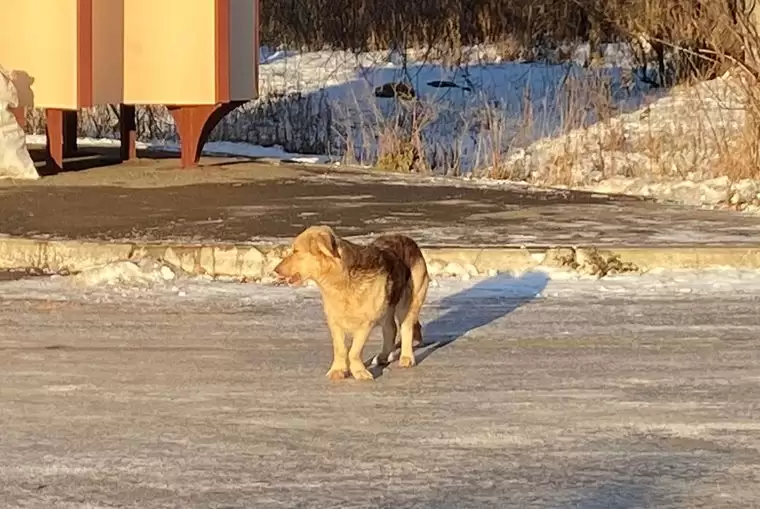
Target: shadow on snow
pixel 478 306
pixel 474 307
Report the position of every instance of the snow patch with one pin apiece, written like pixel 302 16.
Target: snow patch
pixel 141 273
pixel 217 148
pixel 127 280
pixel 667 150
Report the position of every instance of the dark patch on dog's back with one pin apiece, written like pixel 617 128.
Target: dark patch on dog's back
pixel 359 260
pixel 402 246
pixel 393 255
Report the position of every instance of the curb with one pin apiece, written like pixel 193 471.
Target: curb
pixel 254 262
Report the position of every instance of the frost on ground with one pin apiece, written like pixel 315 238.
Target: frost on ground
pixel 629 391
pixel 563 271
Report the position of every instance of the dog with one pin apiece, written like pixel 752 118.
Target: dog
pixel 383 283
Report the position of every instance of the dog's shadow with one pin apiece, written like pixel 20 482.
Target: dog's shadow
pixel 474 307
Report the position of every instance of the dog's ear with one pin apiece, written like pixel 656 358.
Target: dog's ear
pixel 326 243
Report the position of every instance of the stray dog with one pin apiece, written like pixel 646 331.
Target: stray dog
pixel 385 283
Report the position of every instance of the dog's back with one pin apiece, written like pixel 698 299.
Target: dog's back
pixel 404 248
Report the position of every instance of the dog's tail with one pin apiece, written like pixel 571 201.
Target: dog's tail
pixel 411 254
pixel 420 283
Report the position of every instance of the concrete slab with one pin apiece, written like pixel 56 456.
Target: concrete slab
pixel 239 201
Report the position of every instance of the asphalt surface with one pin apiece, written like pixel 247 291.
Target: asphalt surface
pixel 230 200
pixel 589 395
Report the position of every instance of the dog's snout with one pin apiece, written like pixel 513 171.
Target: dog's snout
pixel 283 268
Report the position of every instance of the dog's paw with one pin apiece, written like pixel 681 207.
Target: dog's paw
pixel 407 362
pixel 337 374
pixel 362 374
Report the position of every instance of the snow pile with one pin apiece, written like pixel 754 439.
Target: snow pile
pixel 452 270
pixel 147 272
pixel 144 272
pixel 661 136
pixel 15 162
pixel 667 150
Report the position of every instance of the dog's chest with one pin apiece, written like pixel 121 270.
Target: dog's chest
pixel 358 306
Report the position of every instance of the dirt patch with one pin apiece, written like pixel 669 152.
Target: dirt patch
pixel 15 275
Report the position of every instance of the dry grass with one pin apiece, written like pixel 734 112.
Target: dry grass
pixel 694 134
pixel 520 25
pixel 739 155
pixel 583 100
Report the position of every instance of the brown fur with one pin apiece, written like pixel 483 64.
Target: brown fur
pixel 384 283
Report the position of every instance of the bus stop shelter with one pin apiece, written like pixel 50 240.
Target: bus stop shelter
pixel 200 59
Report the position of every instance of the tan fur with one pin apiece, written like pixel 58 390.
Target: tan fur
pixel 384 283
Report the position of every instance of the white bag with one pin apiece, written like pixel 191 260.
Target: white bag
pixel 15 161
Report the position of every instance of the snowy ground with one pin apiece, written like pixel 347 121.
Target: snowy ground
pixel 238 149
pixel 464 112
pixel 537 392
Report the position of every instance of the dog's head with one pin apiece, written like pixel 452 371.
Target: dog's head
pixel 315 252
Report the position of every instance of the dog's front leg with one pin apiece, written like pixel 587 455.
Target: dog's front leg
pixel 339 368
pixel 355 355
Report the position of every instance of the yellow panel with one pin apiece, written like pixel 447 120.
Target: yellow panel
pixel 169 52
pixel 243 84
pixel 108 51
pixel 40 39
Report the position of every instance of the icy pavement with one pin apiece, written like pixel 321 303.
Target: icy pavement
pixel 260 203
pixel 636 391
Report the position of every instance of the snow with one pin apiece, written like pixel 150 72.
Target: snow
pixel 146 281
pixel 479 108
pixel 676 136
pixel 212 148
pixel 15 162
pixel 343 73
pixel 144 272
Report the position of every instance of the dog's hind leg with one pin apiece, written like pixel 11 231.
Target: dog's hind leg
pixel 390 330
pixel 417 335
pixel 411 330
